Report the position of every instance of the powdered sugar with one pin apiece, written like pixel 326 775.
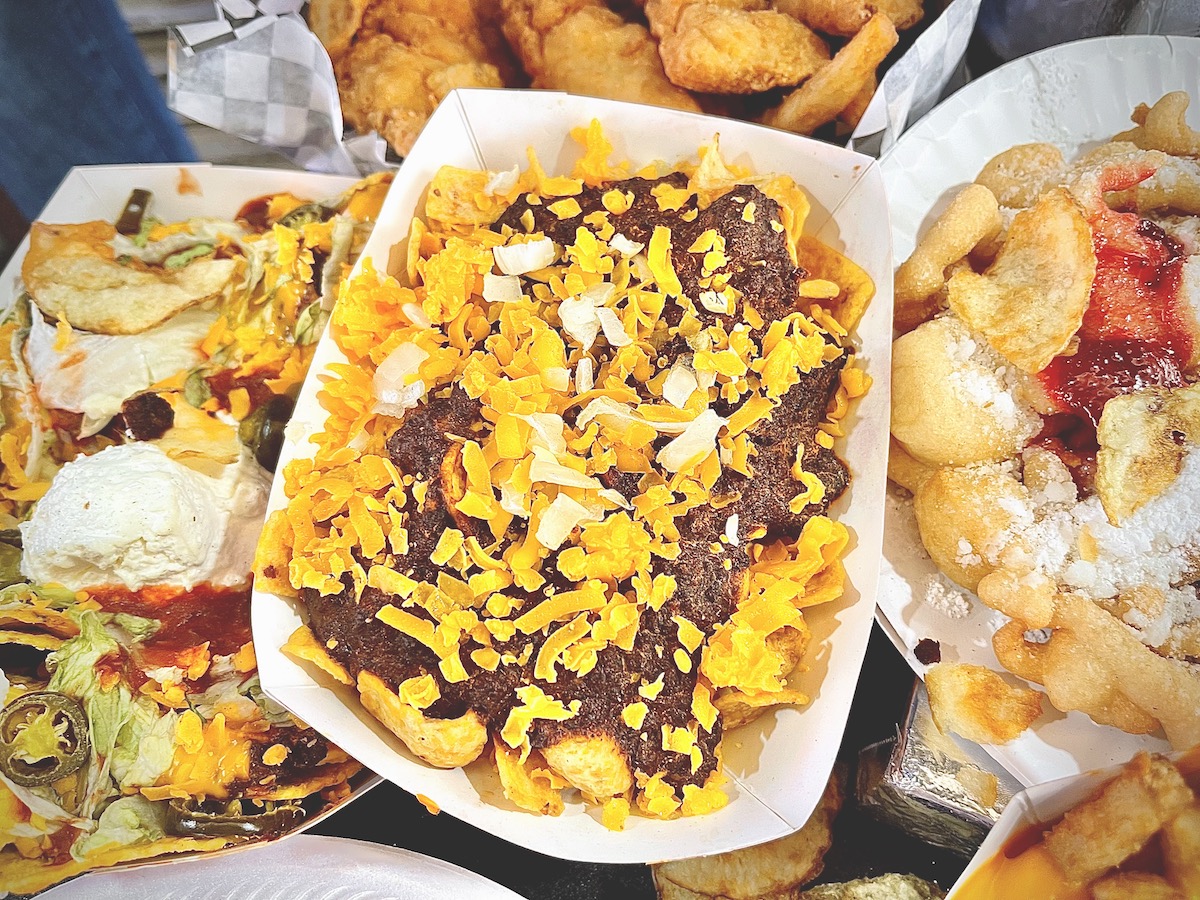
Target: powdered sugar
pixel 982 377
pixel 938 593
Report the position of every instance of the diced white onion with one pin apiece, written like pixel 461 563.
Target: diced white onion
pixel 501 288
pixel 614 331
pixel 502 182
pixel 585 378
pixel 679 384
pixel 714 302
pixel 579 320
pixel 731 529
pixel 517 259
pixel 697 441
pixel 396 385
pixel 625 246
pixel 546 468
pixel 559 519
pixel 416 315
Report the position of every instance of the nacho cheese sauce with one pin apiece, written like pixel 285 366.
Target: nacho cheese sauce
pixel 1024 868
pixel 582 498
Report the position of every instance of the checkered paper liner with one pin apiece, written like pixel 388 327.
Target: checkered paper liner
pixel 915 83
pixel 257 72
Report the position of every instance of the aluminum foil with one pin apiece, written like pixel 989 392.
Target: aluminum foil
pixel 931 785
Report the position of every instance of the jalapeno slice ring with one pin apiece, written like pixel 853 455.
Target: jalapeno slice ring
pixel 306 215
pixel 43 737
pixel 188 818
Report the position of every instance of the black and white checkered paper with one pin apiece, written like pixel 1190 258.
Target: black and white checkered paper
pixel 257 72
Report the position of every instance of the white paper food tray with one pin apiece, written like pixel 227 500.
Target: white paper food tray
pixel 1074 95
pixel 89 193
pixel 778 765
pixel 1042 803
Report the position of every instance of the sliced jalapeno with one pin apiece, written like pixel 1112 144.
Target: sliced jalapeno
pixel 305 215
pixel 43 737
pixel 188 818
pixel 262 430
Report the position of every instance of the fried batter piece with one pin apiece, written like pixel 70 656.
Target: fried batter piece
pixel 583 47
pixel 733 46
pixel 395 61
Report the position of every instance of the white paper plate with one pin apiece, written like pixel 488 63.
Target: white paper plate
pixel 310 867
pixel 1072 95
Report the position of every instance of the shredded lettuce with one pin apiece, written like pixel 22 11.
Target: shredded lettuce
pixel 148 224
pixel 139 628
pixel 272 711
pixel 126 821
pixel 145 745
pixel 18 594
pixel 74 674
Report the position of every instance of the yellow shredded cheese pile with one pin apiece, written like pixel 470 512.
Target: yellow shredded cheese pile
pixel 559 344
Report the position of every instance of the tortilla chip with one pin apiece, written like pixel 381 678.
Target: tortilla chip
pixel 444 743
pixel 323 777
pixel 303 644
pixel 978 704
pixel 51 620
pixel 31 639
pixel 857 288
pixel 72 276
pixel 1144 438
pixel 19 875
pixel 532 788
pixel 198 440
pixel 1030 301
pixel 271 559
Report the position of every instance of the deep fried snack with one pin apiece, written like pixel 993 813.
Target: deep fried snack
pixel 949 405
pixel 393 87
pixel 1164 688
pixel 1021 657
pixel 1018 175
pixel 845 17
pixel 733 47
pixel 766 870
pixel 849 117
pixel 958 510
pixel 1163 126
pixel 1116 823
pixel 1134 886
pixel 904 469
pixel 335 23
pixel 1181 850
pixel 1030 301
pixel 1143 439
pixel 583 47
pixel 1027 599
pixel 976 703
pixel 972 216
pixel 835 85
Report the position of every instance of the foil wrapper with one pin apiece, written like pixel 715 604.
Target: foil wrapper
pixel 931 785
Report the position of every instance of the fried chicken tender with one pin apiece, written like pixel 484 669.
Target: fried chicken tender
pixel 845 17
pixel 392 87
pixel 396 59
pixel 733 46
pixel 583 47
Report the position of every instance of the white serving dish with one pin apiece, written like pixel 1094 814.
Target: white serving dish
pixel 1074 95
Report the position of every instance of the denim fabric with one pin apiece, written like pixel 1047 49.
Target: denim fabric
pixel 74 90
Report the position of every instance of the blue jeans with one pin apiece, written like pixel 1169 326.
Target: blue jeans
pixel 74 90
